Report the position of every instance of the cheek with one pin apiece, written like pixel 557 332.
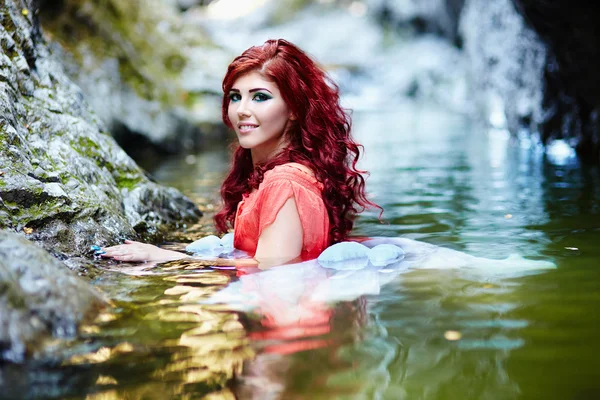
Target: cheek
pixel 277 114
pixel 231 113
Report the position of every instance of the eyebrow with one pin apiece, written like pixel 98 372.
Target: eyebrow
pixel 251 90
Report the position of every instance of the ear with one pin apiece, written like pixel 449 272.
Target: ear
pixel 292 117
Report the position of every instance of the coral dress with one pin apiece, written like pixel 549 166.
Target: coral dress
pixel 259 209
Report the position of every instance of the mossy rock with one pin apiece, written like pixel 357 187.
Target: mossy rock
pixel 59 168
pixel 144 69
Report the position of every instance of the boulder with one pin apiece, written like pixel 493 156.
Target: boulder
pixel 40 298
pixel 64 181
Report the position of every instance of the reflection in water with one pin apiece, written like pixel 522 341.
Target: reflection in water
pixel 443 325
pixel 296 307
pixel 296 311
pixel 200 348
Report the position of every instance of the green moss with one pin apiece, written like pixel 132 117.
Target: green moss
pixel 43 209
pixel 193 98
pixel 124 177
pixel 14 300
pixel 150 61
pixel 124 182
pixel 39 214
pixel 87 143
pixel 10 27
pixel 175 63
pixel 135 79
pixel 88 148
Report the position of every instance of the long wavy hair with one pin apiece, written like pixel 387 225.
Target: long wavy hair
pixel 319 136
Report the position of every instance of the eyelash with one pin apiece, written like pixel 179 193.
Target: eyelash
pixel 263 97
pixel 260 97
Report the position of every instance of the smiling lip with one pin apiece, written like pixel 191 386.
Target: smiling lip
pixel 245 128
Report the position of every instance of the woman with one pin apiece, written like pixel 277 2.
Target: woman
pixel 293 188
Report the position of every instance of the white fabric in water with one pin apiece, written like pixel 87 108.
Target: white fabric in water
pixel 212 246
pixel 344 256
pixel 207 246
pixel 385 254
pixel 227 242
pixel 353 256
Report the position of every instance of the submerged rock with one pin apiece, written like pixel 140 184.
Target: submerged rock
pixel 39 298
pixel 64 181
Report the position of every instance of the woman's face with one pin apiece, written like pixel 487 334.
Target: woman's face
pixel 258 114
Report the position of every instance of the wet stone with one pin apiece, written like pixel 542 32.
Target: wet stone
pixel 40 298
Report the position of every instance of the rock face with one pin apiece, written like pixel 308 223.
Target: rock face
pixel 39 298
pixel 506 59
pixel 432 16
pixel 150 76
pixel 64 181
pixel 572 70
pixel 535 66
pixel 533 63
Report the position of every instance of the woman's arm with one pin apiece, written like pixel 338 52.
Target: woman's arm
pixel 278 244
pixel 133 251
pixel 281 241
pixel 136 251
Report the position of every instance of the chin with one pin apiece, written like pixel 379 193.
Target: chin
pixel 245 144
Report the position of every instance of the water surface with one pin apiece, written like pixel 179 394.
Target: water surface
pixel 425 334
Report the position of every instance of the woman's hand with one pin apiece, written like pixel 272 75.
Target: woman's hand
pixel 137 252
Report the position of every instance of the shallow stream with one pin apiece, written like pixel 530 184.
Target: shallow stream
pixel 443 333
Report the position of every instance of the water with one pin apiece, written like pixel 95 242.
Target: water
pixel 423 334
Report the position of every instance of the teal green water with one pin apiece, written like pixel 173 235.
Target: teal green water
pixel 427 334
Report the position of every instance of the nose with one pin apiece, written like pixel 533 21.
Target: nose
pixel 242 110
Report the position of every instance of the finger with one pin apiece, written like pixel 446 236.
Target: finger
pixel 119 247
pixel 113 252
pixel 127 241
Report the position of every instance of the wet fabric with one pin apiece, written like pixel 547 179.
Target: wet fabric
pixel 259 209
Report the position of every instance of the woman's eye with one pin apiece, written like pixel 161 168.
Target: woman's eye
pixel 261 97
pixel 235 97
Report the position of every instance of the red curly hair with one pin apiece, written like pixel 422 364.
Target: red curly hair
pixel 318 138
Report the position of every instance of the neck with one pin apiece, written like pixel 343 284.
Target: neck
pixel 263 154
